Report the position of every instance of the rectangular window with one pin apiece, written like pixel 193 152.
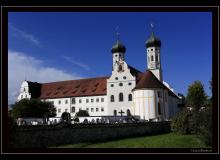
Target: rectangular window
pixel 73 100
pixel 91 100
pixel 102 109
pixel 65 110
pixel 87 100
pixel 59 110
pixel 97 109
pixel 73 110
pixel 97 99
pixel 52 102
pixel 80 101
pixel 92 109
pixel 87 109
pixel 66 101
pixel 59 102
pixel 102 99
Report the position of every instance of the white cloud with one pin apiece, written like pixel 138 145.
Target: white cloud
pixel 20 33
pixel 21 67
pixel 74 62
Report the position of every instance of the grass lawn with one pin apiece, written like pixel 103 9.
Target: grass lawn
pixel 170 140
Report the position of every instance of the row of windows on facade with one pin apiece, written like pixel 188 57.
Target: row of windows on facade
pixel 24 96
pixel 73 109
pixel 116 78
pixel 153 49
pixel 120 84
pixel 120 97
pixel 73 101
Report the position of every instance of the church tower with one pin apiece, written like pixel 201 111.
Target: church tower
pixel 153 45
pixel 118 55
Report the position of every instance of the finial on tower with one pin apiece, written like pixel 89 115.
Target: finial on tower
pixel 152 27
pixel 153 40
pixel 117 33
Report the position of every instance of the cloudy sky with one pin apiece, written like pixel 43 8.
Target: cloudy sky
pixel 53 46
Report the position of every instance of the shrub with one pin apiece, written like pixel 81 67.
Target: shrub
pixel 66 117
pixel 205 126
pixel 182 122
pixel 82 113
pixel 76 120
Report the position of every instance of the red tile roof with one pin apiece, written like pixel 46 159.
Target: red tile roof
pixel 149 80
pixel 73 88
pixel 91 86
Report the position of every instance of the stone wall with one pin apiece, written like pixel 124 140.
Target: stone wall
pixel 46 136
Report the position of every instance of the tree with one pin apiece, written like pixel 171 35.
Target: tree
pixel 182 122
pixel 82 113
pixel 66 117
pixel 196 96
pixel 33 108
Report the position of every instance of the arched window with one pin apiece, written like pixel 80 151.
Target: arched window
pixel 115 112
pixel 128 112
pixel 152 58
pixel 24 89
pixel 130 97
pixel 73 109
pixel 121 97
pixel 112 98
pixel 159 109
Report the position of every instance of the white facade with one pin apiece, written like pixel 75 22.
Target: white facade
pixel 119 89
pixel 24 91
pixel 121 96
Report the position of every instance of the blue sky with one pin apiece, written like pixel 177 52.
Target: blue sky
pixel 77 45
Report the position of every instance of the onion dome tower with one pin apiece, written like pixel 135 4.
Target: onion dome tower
pixel 153 45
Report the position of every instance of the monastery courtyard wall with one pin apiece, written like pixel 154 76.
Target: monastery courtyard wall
pixel 45 136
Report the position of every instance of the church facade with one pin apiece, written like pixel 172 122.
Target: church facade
pixel 127 91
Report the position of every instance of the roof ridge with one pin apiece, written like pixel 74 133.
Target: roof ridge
pixel 102 77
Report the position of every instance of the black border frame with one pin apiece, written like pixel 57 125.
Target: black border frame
pixel 215 71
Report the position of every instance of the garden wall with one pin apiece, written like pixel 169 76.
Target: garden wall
pixel 45 136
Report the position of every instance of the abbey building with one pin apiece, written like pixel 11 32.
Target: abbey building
pixel 127 91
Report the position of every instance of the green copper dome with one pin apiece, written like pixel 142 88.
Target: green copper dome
pixel 153 41
pixel 118 47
